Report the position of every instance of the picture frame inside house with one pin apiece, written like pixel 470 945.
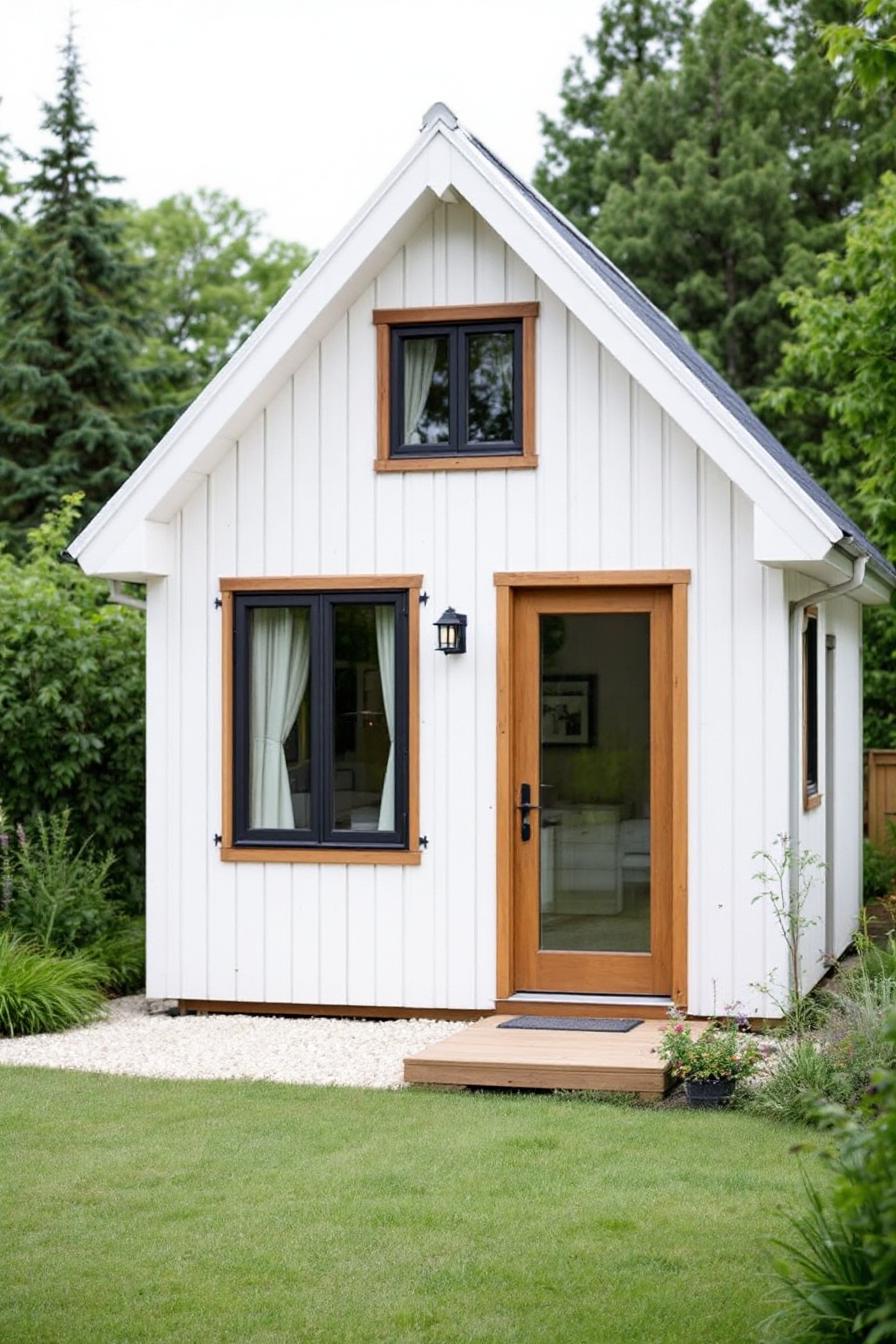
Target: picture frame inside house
pixel 569 711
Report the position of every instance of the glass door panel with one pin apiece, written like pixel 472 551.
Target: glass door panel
pixel 595 782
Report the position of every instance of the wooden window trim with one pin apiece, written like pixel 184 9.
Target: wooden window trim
pixel 231 853
pixel 677 580
pixel 812 795
pixel 385 319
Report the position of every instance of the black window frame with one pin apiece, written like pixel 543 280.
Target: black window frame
pixel 321 834
pixel 811 789
pixel 458 335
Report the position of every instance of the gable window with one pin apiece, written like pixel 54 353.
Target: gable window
pixel 456 387
pixel 318 724
pixel 811 795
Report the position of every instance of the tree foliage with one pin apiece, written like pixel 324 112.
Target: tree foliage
pixel 72 401
pixel 71 699
pixel 211 278
pixel 837 391
pixel 867 48
pixel 714 160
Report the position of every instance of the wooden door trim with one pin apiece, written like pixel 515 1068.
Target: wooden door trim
pixel 598 578
pixel 677 580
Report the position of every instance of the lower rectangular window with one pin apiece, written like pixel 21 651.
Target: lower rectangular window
pixel 320 719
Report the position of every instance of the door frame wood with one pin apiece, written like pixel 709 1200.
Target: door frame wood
pixel 677 580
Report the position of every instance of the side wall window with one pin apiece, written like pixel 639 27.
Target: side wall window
pixel 811 795
pixel 320 710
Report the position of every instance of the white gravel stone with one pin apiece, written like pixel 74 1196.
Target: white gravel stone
pixel 136 1036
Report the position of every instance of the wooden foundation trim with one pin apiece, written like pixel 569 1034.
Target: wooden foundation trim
pixel 253 1008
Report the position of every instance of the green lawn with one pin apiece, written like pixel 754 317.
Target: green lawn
pixel 203 1213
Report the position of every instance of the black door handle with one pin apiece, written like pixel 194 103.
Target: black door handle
pixel 526 806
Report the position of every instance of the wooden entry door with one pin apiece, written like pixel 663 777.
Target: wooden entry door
pixel 592 765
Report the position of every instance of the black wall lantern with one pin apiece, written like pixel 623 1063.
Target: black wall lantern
pixel 452 632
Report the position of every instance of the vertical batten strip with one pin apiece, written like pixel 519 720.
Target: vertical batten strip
pixel 223 509
pixel 174 757
pixel 158 829
pixel 278 526
pixel 250 879
pixel 193 812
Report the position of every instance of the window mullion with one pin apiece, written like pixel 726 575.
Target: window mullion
pixel 322 708
pixel 455 419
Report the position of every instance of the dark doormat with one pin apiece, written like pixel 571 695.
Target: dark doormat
pixel 532 1023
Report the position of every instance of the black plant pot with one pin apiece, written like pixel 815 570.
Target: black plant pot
pixel 705 1092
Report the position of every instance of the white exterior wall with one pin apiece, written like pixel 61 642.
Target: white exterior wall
pixel 833 830
pixel 618 486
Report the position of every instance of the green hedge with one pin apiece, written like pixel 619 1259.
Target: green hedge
pixel 72 700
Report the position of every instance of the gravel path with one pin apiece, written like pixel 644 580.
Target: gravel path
pixel 136 1036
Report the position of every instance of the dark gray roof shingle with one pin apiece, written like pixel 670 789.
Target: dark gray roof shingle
pixel 672 338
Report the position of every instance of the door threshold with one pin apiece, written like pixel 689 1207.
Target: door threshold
pixel 586 1005
pixel 532 996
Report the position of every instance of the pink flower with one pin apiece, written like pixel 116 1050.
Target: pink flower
pixel 679 1026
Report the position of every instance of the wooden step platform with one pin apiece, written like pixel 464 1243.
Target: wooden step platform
pixel 482 1056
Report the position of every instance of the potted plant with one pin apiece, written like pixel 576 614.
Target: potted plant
pixel 710 1064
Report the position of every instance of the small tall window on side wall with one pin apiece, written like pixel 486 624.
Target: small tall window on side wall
pixel 811 794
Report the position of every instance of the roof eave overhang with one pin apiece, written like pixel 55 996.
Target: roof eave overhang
pixel 642 353
pixel 792 527
pixel 210 425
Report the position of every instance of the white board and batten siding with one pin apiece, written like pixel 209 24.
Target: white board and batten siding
pixel 618 486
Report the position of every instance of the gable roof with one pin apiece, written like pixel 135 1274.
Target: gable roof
pixel 678 344
pixel 129 537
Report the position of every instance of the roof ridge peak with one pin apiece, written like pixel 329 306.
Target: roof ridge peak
pixel 439 112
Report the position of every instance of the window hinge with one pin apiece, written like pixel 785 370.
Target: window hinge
pixel 424 598
pixel 217 839
pixel 219 602
pixel 424 842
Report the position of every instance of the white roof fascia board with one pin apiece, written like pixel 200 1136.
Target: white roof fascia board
pixel 771 544
pixel 336 276
pixel 646 358
pixel 148 551
pixel 837 565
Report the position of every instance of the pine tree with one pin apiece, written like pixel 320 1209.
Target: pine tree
pixel 718 168
pixel 73 407
pixel 705 229
pixel 614 105
pixel 6 187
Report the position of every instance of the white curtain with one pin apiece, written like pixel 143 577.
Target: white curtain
pixel 385 649
pixel 419 365
pixel 281 657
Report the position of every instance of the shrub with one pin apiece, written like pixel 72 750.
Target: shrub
pixel 803 1079
pixel 856 1037
pixel 838 1280
pixel 879 871
pixel 56 897
pixel 122 954
pixel 43 992
pixel 879 960
pixel 71 699
pixel 56 894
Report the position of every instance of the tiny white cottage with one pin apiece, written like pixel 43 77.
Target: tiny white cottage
pixel 489 636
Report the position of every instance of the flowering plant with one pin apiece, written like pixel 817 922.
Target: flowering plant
pixel 720 1052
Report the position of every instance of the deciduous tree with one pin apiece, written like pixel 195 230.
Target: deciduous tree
pixel 211 278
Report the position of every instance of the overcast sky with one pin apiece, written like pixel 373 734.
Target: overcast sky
pixel 299 107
